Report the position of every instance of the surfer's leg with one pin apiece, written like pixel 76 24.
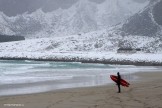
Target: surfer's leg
pixel 119 90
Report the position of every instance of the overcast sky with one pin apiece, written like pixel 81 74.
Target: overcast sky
pixel 14 7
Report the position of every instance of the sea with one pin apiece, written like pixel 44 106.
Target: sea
pixel 27 76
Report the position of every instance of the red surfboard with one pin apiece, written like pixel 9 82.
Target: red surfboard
pixel 122 81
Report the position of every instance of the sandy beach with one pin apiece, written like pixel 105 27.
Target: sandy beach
pixel 144 93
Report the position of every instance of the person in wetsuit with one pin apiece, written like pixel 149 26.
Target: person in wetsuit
pixel 118 82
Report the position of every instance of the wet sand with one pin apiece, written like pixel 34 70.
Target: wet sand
pixel 144 93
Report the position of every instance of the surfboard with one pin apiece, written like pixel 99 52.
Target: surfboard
pixel 122 81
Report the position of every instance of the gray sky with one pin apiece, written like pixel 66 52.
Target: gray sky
pixel 14 7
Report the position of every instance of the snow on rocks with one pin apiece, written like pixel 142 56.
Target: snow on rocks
pixel 87 57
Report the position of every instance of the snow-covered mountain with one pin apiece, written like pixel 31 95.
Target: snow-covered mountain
pixel 141 30
pixel 109 39
pixel 83 16
pixel 147 22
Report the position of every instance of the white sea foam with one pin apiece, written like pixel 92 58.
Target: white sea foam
pixel 28 79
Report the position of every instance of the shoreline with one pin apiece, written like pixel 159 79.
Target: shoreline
pixel 35 77
pixel 146 92
pixel 95 60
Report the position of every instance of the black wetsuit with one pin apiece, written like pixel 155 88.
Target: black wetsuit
pixel 118 82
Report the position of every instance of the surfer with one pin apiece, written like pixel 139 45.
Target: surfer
pixel 118 82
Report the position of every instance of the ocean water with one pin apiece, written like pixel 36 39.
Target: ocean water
pixel 24 76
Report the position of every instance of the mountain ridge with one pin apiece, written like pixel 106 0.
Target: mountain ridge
pixel 82 17
pixel 143 23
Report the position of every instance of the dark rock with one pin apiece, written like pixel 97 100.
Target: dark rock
pixel 6 38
